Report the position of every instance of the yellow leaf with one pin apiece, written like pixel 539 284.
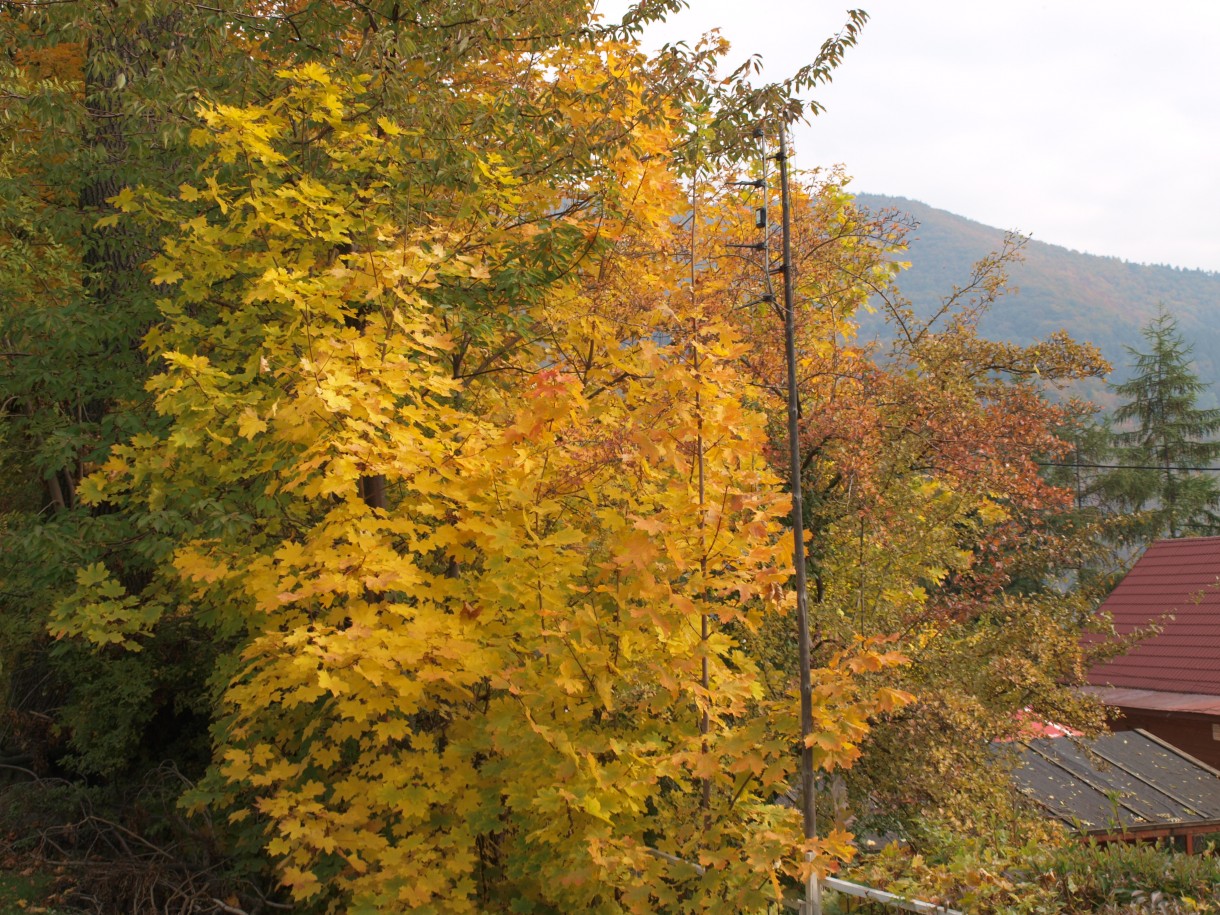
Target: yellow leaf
pixel 249 424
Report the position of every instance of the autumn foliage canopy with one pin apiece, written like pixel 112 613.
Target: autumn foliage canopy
pixel 401 438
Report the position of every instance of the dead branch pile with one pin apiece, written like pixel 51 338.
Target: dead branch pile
pixel 139 854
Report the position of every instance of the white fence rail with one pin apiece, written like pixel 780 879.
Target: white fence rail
pixel 839 886
pixel 888 899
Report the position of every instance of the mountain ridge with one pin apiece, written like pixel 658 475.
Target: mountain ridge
pixel 1096 298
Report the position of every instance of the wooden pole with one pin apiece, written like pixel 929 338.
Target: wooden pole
pixel 808 811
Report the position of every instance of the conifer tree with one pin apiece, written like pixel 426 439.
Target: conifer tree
pixel 1164 437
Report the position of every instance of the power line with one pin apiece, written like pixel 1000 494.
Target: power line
pixel 1123 466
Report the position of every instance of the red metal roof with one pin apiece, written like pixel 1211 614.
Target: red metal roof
pixel 1178 577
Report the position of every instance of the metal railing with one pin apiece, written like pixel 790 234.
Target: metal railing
pixel 893 900
pixel 890 899
pixel 872 895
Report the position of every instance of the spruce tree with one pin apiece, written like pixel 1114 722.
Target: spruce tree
pixel 1164 437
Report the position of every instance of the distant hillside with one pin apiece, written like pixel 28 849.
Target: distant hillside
pixel 1100 299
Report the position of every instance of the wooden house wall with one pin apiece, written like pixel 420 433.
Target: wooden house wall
pixel 1194 734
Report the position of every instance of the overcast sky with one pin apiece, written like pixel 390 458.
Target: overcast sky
pixel 1093 124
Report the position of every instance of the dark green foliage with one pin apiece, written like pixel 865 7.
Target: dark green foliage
pixel 1090 876
pixel 1163 439
pixel 1096 517
pixel 95 98
pixel 1090 438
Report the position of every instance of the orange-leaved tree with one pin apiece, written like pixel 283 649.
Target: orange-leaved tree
pixel 931 522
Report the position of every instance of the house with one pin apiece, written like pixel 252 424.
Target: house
pixel 1169 684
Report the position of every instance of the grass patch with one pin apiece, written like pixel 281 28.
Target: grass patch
pixel 28 891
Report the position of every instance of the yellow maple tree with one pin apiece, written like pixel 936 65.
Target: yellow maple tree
pixel 478 496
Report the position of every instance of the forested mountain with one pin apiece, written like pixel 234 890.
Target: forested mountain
pixel 1104 300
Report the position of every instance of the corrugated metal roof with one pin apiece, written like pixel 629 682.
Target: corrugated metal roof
pixel 1129 780
pixel 1179 578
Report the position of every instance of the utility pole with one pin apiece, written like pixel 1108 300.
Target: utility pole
pixel 813 895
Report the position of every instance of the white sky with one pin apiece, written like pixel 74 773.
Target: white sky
pixel 1093 124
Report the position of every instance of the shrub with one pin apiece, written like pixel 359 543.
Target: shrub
pixel 1031 867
